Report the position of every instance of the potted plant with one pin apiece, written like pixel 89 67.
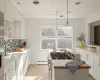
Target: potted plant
pixel 81 39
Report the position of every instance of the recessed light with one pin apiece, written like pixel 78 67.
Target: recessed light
pixel 18 2
pixel 61 16
pixel 69 11
pixel 36 2
pixel 78 3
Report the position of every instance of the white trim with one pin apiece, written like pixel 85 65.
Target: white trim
pixel 56 37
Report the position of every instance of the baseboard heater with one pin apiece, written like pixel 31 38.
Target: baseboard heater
pixel 42 62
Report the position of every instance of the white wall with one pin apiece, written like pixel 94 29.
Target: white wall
pixel 89 19
pixel 33 34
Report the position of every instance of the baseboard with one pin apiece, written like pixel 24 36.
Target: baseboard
pixel 42 62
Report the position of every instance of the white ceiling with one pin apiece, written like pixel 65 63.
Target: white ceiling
pixel 48 8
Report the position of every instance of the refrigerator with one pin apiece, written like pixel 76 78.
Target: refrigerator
pixel 2 33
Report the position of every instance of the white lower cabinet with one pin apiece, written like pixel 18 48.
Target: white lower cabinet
pixel 88 58
pixel 18 68
pixel 93 60
pixel 97 67
pixel 10 72
pixel 89 61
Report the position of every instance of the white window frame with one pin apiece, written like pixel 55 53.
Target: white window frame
pixel 56 37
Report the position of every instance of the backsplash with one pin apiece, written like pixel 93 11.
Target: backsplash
pixel 10 44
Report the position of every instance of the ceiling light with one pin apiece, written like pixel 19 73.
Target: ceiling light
pixel 36 2
pixel 18 2
pixel 78 3
pixel 61 16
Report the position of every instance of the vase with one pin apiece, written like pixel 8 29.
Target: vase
pixel 81 44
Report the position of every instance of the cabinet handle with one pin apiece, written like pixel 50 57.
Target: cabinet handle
pixel 99 62
pixel 87 56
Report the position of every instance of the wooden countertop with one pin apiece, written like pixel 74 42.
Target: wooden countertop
pixel 61 64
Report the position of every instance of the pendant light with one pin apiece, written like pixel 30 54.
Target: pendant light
pixel 67 25
pixel 57 20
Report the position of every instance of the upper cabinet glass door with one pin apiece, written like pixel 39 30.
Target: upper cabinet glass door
pixel 8 29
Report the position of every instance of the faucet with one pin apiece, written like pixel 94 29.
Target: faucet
pixel 5 48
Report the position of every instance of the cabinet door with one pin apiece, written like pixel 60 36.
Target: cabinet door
pixel 82 52
pixel 97 67
pixel 90 59
pixel 8 29
pixel 2 6
pixel 77 50
pixel 25 65
pixel 18 29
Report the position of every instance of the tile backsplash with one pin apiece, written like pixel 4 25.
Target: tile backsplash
pixel 10 44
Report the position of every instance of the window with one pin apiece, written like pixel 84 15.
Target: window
pixel 48 32
pixel 52 38
pixel 48 43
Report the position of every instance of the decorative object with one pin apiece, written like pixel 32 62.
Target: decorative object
pixel 81 39
pixel 92 48
pixel 23 45
pixel 81 44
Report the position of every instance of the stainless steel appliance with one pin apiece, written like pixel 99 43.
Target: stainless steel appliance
pixel 1 65
pixel 2 46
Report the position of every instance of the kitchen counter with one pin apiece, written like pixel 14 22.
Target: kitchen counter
pixel 92 52
pixel 13 56
pixel 9 55
pixel 61 64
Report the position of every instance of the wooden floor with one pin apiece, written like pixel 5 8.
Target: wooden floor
pixel 39 72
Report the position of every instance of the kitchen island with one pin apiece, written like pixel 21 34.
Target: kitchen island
pixel 61 72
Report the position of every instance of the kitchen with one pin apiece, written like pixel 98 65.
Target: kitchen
pixel 25 22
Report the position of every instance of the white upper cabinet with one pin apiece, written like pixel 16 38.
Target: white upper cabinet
pixel 22 20
pixel 18 29
pixel 23 28
pixel 2 6
pixel 12 15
